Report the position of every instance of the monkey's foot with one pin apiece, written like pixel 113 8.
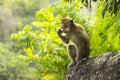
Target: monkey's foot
pixel 72 64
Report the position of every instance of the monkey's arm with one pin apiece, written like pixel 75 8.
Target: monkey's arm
pixel 64 38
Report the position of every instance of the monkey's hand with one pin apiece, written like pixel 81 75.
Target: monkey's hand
pixel 59 31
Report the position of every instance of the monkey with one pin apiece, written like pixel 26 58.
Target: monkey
pixel 76 38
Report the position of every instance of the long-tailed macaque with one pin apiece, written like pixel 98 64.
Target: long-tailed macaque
pixel 77 39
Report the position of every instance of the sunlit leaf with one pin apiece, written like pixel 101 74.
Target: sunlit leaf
pixel 29 52
pixel 27 28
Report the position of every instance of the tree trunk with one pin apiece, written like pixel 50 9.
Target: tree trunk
pixel 103 67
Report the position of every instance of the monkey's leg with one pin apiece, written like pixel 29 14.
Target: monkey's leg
pixel 80 53
pixel 72 54
pixel 87 52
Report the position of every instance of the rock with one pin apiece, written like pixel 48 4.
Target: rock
pixel 103 67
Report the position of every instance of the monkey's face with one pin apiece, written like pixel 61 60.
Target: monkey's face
pixel 66 25
pixel 65 28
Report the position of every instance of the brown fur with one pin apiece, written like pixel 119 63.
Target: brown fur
pixel 76 34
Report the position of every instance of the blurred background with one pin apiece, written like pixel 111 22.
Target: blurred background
pixel 30 49
pixel 15 14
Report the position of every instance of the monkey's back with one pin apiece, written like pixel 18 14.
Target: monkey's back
pixel 83 39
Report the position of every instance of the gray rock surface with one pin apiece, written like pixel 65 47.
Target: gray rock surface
pixel 105 66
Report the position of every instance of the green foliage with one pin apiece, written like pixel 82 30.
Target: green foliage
pixel 45 49
pixel 14 67
pixel 104 33
pixel 15 14
pixel 26 37
pixel 111 6
pixel 43 41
